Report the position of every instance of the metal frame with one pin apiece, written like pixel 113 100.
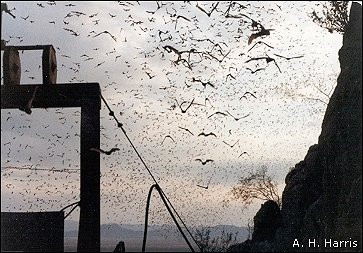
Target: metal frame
pixel 86 96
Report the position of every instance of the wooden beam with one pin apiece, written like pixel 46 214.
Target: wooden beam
pixel 54 96
pixel 35 47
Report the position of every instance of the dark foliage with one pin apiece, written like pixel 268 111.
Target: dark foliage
pixel 334 16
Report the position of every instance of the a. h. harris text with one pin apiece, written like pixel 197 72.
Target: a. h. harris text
pixel 327 243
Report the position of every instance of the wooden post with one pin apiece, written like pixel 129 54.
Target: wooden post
pixel 11 66
pixel 89 222
pixel 49 65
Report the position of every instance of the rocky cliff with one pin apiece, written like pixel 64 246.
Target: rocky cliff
pixel 322 200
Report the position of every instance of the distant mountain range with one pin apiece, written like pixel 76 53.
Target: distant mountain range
pixel 161 238
pixel 127 231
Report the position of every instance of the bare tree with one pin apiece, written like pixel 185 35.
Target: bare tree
pixel 321 89
pixel 334 16
pixel 256 185
pixel 317 90
pixel 221 243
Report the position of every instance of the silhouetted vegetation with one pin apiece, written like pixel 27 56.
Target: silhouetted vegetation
pixel 256 185
pixel 217 244
pixel 334 16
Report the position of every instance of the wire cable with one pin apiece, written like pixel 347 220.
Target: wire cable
pixel 120 125
pixel 112 114
pixel 75 204
pixel 157 187
pixel 177 214
pixel 71 211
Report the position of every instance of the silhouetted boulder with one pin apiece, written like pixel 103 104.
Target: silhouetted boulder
pixel 266 222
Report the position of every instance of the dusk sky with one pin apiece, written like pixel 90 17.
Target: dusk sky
pixel 144 84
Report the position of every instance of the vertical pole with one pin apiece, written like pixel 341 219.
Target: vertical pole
pixel 89 223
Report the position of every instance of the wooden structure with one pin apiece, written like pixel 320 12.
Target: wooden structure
pixel 12 66
pixel 49 94
pixel 87 97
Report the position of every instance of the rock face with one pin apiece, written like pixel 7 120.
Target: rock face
pixel 341 139
pixel 322 200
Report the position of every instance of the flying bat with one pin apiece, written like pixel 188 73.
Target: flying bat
pixel 230 144
pixel 205 187
pixel 263 32
pixel 248 93
pixel 204 162
pixel 186 129
pixel 105 152
pixel 260 42
pixel 267 58
pixel 289 58
pixel 237 119
pixel 206 135
pixel 256 70
pixel 221 113
pixel 244 154
pixel 113 37
pixel 166 137
pixel 184 111
pixel 210 12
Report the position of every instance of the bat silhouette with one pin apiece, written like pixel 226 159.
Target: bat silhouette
pixel 221 113
pixel 244 154
pixel 204 162
pixel 105 152
pixel 113 37
pixel 231 145
pixel 184 110
pixel 289 58
pixel 186 129
pixel 262 32
pixel 267 58
pixel 179 16
pixel 203 83
pixel 256 70
pixel 210 12
pixel 205 187
pixel 260 42
pixel 248 93
pixel 236 119
pixel 167 137
pixel 206 135
pixel 149 75
pixel 99 64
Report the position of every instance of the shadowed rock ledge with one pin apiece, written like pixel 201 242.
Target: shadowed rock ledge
pixel 322 199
